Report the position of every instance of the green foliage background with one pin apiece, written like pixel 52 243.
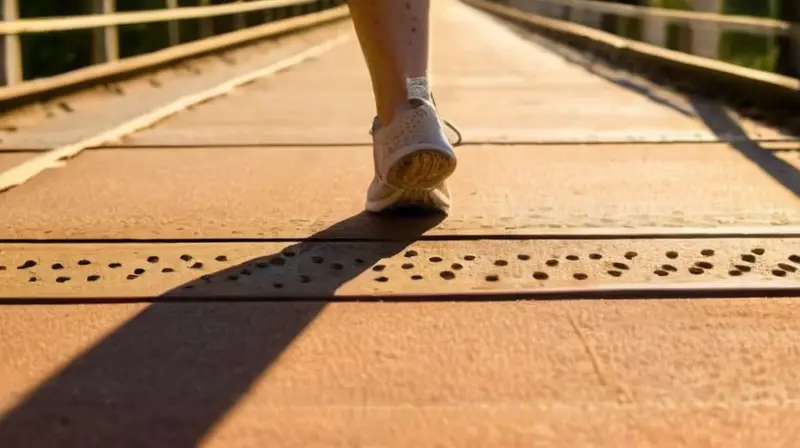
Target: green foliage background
pixel 48 54
pixel 745 49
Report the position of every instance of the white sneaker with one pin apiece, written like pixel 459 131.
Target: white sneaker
pixel 413 159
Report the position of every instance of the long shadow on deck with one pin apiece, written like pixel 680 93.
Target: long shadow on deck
pixel 714 115
pixel 594 66
pixel 719 121
pixel 168 375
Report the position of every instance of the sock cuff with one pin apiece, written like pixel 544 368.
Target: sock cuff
pixel 419 88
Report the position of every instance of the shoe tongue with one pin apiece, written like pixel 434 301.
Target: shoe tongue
pixel 418 88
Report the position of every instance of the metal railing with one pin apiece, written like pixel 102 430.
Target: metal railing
pixel 702 30
pixel 728 22
pixel 106 20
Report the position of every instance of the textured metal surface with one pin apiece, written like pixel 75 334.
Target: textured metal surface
pixel 516 374
pixel 554 99
pixel 604 373
pixel 321 270
pixel 296 192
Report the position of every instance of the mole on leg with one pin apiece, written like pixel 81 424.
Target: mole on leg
pixel 394 37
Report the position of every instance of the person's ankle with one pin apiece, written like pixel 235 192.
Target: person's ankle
pixel 419 87
pixel 416 88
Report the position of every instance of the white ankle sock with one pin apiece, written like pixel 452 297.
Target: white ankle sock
pixel 418 88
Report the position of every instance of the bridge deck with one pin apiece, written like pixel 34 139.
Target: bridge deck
pixel 576 181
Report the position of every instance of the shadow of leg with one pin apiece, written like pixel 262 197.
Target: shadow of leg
pixel 317 267
pixel 167 376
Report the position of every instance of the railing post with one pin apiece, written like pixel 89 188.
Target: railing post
pixel 106 40
pixel 238 19
pixel 706 36
pixel 173 26
pixel 654 29
pixel 789 56
pixel 206 25
pixel 11 61
pixel 585 16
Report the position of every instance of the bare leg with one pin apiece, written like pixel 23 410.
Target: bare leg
pixel 394 37
pixel 412 155
pixel 415 13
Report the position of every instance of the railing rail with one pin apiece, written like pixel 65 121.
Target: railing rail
pixel 21 26
pixel 106 20
pixel 758 93
pixel 726 21
pixel 705 29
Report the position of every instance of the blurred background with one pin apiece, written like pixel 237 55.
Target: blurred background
pixel 47 54
pixel 746 49
pixel 52 53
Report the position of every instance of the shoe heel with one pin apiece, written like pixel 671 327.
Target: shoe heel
pixel 421 169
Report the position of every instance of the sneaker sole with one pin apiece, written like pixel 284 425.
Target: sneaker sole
pixel 408 200
pixel 421 169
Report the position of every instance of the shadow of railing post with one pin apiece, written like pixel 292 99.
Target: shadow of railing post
pixel 719 121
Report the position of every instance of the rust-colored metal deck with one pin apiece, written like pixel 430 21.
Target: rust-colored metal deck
pixel 397 270
pixel 589 373
pixel 620 267
pixel 230 192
